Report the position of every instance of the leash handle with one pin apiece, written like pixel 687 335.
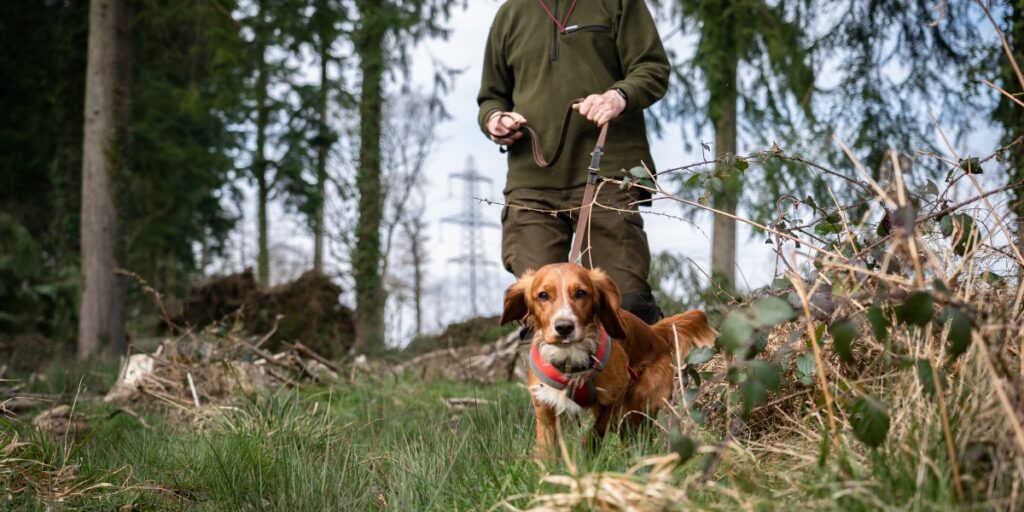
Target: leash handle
pixel 588 197
pixel 538 152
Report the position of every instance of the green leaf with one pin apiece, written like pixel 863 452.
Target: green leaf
pixel 925 377
pixel 930 189
pixel 806 368
pixel 760 343
pixel 638 172
pixel 780 282
pixel 971 165
pixel 843 333
pixel 741 164
pixel 692 180
pixel 827 228
pixel 959 332
pixel 700 355
pixel 879 323
pixel 916 309
pixel 993 279
pixel 870 420
pixel 946 226
pixel 810 202
pixel 771 311
pixel 762 377
pixel 735 332
pixel 963 231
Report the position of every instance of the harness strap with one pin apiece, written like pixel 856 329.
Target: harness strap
pixel 584 394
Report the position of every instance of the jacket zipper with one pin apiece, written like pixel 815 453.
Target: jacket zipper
pixel 572 29
pixel 554 36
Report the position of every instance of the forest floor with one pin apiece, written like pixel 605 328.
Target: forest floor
pixel 406 444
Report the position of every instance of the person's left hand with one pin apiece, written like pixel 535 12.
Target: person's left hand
pixel 600 109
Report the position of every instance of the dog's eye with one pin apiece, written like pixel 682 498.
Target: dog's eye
pixel 543 296
pixel 581 293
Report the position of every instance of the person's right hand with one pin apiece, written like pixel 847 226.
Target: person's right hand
pixel 503 127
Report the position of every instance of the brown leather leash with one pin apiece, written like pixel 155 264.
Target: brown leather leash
pixel 592 171
pixel 588 196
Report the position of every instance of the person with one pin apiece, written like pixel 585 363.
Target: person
pixel 539 56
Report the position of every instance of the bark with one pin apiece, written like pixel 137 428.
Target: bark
pixel 321 162
pixel 366 258
pixel 107 101
pixel 413 228
pixel 1013 114
pixel 722 107
pixel 260 157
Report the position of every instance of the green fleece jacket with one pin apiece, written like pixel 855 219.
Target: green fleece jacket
pixel 532 68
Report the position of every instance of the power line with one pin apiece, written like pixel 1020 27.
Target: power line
pixel 472 222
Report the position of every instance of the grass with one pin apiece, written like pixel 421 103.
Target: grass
pixel 372 445
pixel 394 445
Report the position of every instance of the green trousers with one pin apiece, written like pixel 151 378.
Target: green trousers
pixel 537 228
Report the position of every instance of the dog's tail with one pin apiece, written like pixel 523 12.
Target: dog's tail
pixel 691 329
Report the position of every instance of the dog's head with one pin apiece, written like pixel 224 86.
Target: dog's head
pixel 562 301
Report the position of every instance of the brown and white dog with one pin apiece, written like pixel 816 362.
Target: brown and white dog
pixel 589 354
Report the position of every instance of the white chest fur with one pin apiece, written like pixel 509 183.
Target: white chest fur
pixel 580 354
pixel 557 399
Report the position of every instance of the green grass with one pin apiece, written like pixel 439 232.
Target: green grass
pixel 357 447
pixel 392 444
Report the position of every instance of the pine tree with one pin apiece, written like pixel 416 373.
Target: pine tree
pixel 752 54
pixel 384 30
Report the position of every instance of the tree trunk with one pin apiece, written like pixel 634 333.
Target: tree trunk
pixel 722 107
pixel 321 162
pixel 417 257
pixel 366 259
pixel 260 157
pixel 101 314
pixel 1013 123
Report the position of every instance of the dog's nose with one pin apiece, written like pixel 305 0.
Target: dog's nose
pixel 564 327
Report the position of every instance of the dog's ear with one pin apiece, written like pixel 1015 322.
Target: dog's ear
pixel 516 307
pixel 608 304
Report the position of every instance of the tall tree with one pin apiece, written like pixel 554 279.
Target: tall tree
pixel 273 30
pixel 1009 113
pixel 893 63
pixel 187 97
pixel 383 32
pixel 752 54
pixel 326 19
pixel 317 28
pixel 101 317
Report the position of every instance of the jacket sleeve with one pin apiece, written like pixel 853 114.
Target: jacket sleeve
pixel 644 62
pixel 497 81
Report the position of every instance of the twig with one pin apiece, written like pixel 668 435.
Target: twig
pixel 192 387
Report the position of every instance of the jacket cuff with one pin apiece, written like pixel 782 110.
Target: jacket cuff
pixel 632 96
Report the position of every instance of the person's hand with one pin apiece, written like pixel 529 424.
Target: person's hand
pixel 600 109
pixel 503 127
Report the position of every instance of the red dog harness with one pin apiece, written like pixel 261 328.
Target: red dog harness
pixel 585 394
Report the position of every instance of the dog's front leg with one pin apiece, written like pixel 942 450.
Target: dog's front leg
pixel 547 431
pixel 602 420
